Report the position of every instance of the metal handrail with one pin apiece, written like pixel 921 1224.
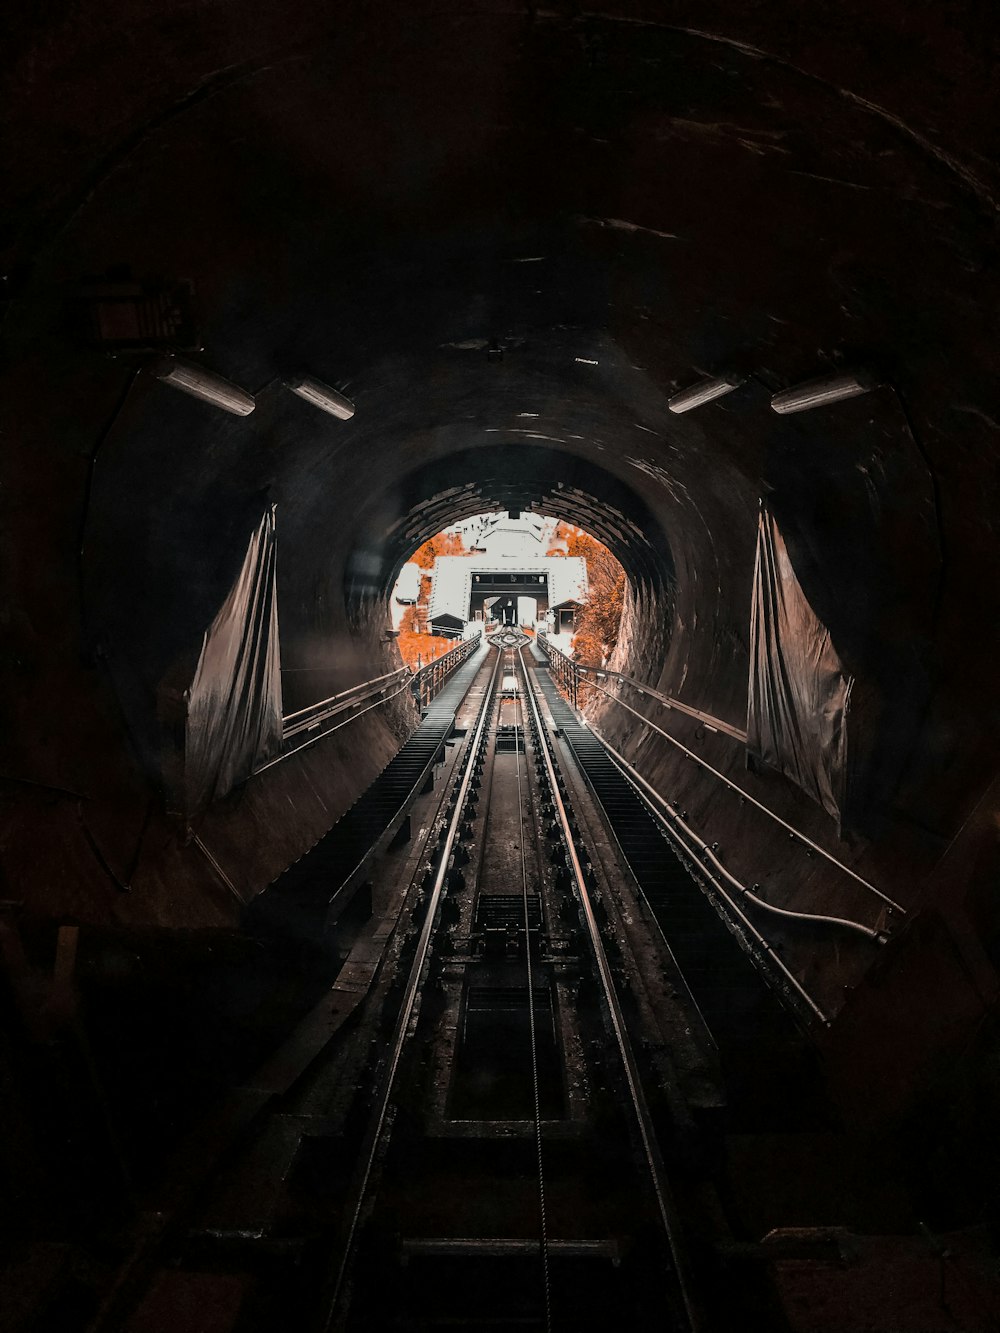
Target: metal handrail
pixel 683 830
pixel 321 703
pixel 568 667
pixel 426 681
pixel 321 735
pixel 429 679
pixel 709 720
pixel 315 714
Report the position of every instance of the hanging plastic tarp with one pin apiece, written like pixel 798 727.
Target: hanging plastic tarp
pixel 234 701
pixel 799 693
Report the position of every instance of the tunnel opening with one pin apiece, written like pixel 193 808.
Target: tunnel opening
pixel 588 510
pixel 530 571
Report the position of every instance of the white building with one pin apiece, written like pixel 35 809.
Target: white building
pixel 516 589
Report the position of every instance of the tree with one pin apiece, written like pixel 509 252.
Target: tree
pixel 415 647
pixel 560 539
pixel 442 543
pixel 413 643
pixel 599 620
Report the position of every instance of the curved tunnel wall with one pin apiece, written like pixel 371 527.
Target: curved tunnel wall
pixel 628 208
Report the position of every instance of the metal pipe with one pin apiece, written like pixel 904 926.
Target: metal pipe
pixel 668 700
pixel 768 948
pixel 890 902
pixel 814 917
pixel 758 938
pixel 322 703
pixel 762 942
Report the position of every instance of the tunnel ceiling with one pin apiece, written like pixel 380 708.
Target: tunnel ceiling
pixel 509 237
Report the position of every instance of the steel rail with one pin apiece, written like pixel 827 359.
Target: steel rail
pixel 669 1215
pixel 374 1137
pixel 544 1238
pixel 801 837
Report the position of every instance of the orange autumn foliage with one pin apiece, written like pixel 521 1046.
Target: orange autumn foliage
pixel 598 621
pixel 416 647
pixel 444 543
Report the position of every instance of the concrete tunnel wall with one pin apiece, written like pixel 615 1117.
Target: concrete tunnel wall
pixel 663 203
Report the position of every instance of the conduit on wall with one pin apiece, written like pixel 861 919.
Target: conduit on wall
pixel 234 712
pixel 799 694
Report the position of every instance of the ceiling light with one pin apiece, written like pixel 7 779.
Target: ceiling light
pixel 704 392
pixel 322 396
pixel 819 392
pixel 204 384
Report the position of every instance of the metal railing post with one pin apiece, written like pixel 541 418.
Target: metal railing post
pixel 428 680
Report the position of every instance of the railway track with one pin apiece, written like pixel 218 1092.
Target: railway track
pixel 498 1131
pixel 750 1024
pixel 472 1094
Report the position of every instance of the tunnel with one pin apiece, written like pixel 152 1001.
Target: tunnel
pixel 510 236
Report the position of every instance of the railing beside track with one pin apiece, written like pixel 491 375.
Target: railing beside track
pixel 317 720
pixel 314 715
pixel 424 682
pixel 429 679
pixel 569 674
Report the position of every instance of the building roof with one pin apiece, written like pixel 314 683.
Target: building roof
pixel 408 583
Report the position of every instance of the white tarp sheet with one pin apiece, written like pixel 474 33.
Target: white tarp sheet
pixel 234 715
pixel 799 693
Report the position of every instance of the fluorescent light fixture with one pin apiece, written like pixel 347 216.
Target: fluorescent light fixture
pixel 322 396
pixel 704 392
pixel 819 392
pixel 203 384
